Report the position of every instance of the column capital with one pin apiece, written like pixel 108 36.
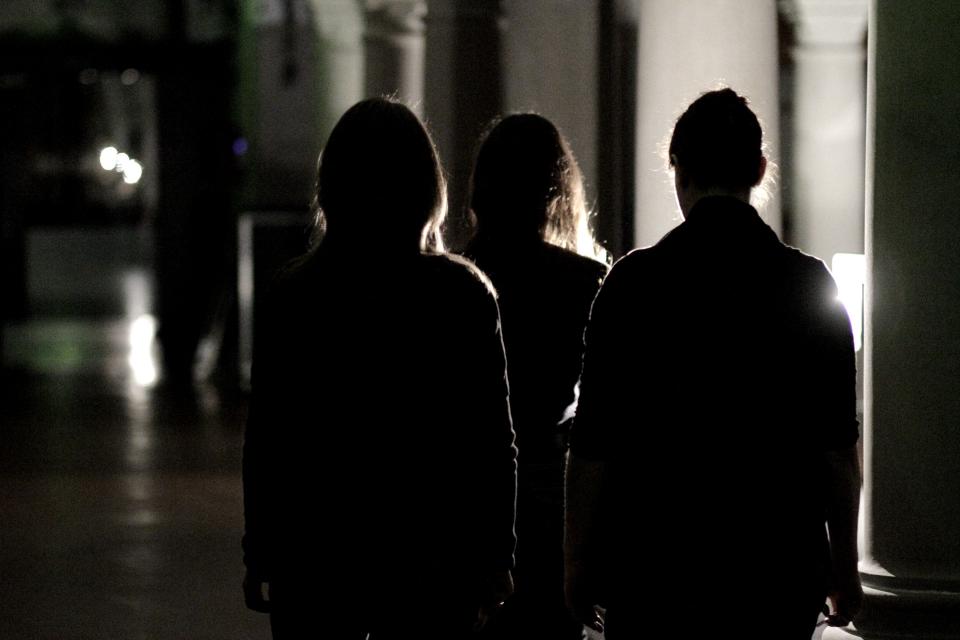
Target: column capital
pixel 827 23
pixel 395 17
pixel 394 44
pixel 463 8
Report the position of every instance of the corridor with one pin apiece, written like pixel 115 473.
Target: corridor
pixel 120 501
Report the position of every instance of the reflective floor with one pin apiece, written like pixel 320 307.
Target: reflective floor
pixel 120 503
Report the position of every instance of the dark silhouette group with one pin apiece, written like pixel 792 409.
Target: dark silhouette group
pixel 500 446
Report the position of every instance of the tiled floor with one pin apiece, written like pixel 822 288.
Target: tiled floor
pixel 120 505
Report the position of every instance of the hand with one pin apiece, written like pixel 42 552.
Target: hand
pixel 253 587
pixel 846 600
pixel 497 590
pixel 589 615
pixel 582 606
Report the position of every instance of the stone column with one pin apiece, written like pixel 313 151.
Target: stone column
pixel 395 46
pixel 911 511
pixel 550 61
pixel 301 67
pixel 338 25
pixel 686 47
pixel 826 177
pixel 616 124
pixel 463 92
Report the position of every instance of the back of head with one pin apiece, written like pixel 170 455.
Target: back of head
pixel 526 183
pixel 717 142
pixel 379 180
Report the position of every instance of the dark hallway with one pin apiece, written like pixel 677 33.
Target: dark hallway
pixel 157 162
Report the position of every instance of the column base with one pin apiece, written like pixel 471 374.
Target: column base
pixel 898 608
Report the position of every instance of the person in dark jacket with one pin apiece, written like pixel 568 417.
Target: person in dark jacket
pixel 379 462
pixel 534 242
pixel 713 450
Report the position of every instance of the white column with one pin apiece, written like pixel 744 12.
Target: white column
pixel 395 49
pixel 826 177
pixel 462 94
pixel 687 47
pixel 279 102
pixel 441 75
pixel 550 63
pixel 911 534
pixel 338 25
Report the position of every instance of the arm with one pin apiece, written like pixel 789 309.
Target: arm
pixel 258 474
pixel 256 519
pixel 840 462
pixel 584 479
pixel 253 596
pixel 497 461
pixel 592 439
pixel 842 503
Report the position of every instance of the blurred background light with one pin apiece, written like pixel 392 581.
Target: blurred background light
pixel 849 270
pixel 108 158
pixel 132 171
pixel 142 363
pixel 129 77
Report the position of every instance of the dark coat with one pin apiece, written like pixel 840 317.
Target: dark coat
pixel 379 452
pixel 719 366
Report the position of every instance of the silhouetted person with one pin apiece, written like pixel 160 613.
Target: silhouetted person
pixel 715 433
pixel 379 463
pixel 527 198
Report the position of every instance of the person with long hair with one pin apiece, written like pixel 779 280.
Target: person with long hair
pixel 713 479
pixel 379 470
pixel 534 242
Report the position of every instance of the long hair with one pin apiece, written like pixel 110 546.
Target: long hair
pixel 526 182
pixel 379 180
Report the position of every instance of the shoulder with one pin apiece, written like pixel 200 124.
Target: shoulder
pixel 459 273
pixel 637 275
pixel 572 259
pixel 810 272
pixel 577 269
pixel 636 264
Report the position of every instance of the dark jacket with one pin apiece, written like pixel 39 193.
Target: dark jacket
pixel 544 293
pixel 379 451
pixel 719 364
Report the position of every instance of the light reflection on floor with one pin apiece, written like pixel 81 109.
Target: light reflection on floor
pixel 120 502
pixel 123 350
pixel 143 357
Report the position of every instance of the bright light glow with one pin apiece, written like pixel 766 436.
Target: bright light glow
pixel 850 272
pixel 137 292
pixel 129 77
pixel 122 163
pixel 108 158
pixel 142 332
pixel 132 172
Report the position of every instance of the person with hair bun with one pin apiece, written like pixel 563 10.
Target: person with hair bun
pixel 713 479
pixel 379 470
